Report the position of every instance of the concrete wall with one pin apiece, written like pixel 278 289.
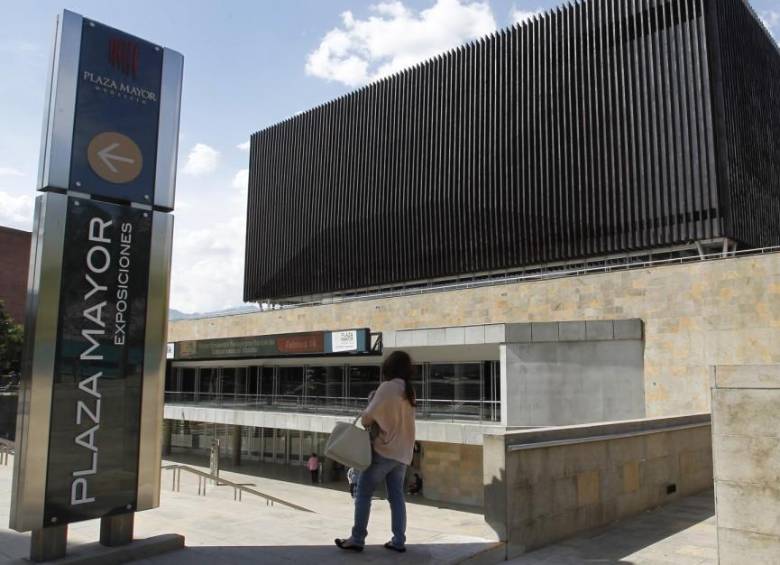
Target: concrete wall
pixel 746 450
pixel 426 430
pixel 573 373
pixel 696 315
pixel 452 473
pixel 542 486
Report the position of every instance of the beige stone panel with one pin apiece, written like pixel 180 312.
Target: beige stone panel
pixel 531 466
pixel 748 376
pixel 631 503
pixel 746 507
pixel 659 472
pixel 695 465
pixel 751 346
pixel 626 450
pixel 631 477
pixel 737 547
pixel 696 314
pixel 585 457
pixel 453 473
pixel 564 494
pixel 747 459
pixel 745 412
pixel 657 445
pixel 588 488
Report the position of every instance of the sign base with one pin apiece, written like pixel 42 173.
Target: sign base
pixel 49 539
pixel 117 530
pixel 48 544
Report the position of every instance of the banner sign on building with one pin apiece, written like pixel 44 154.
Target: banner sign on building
pixel 356 341
pixel 98 370
pixel 344 341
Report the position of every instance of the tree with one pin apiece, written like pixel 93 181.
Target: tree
pixel 11 342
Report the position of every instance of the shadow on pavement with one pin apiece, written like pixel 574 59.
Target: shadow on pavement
pixel 320 554
pixel 614 543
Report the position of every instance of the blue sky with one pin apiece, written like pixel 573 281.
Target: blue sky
pixel 247 66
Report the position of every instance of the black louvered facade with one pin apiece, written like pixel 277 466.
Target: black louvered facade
pixel 599 128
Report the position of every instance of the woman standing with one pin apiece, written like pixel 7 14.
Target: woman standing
pixel 392 411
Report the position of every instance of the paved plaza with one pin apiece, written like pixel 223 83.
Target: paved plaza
pixel 220 530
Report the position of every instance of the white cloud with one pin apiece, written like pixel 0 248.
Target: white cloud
pixel 519 16
pixel 10 172
pixel 395 37
pixel 771 20
pixel 241 180
pixel 20 47
pixel 201 159
pixel 244 146
pixel 208 266
pixel 16 211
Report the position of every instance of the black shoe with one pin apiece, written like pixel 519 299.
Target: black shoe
pixel 348 545
pixel 391 546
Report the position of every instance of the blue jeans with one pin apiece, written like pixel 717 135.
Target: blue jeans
pixel 393 474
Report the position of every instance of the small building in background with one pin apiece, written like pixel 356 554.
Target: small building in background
pixel 14 262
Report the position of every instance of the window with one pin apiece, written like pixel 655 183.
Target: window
pixel 187 380
pixel 290 384
pixel 267 381
pixel 324 385
pixel 229 384
pixel 208 382
pixel 362 381
pixel 456 388
pixel 253 381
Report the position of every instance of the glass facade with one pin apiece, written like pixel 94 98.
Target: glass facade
pixel 445 391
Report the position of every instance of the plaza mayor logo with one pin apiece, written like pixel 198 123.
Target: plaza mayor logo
pixel 124 56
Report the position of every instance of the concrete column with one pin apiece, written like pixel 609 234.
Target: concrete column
pixel 117 530
pixel 236 445
pixel 495 481
pixel 503 384
pixel 167 437
pixel 47 544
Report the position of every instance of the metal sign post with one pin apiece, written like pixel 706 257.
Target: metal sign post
pixel 91 397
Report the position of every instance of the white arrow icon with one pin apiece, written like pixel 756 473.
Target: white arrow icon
pixel 106 156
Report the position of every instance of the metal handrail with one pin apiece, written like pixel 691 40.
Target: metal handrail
pixel 427 408
pixel 527 274
pixel 7 448
pixel 238 489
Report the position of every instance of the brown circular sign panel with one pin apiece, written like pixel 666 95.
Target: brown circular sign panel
pixel 115 157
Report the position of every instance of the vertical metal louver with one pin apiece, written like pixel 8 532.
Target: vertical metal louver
pixel 602 127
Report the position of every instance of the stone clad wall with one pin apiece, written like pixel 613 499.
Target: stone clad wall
pixel 695 314
pixel 746 451
pixel 452 473
pixel 542 486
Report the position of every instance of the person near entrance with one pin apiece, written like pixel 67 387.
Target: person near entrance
pixel 392 410
pixel 313 465
pixel 417 485
pixel 352 478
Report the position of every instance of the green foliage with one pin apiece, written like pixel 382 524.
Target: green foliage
pixel 11 342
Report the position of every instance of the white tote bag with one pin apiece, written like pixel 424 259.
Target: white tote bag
pixel 349 445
